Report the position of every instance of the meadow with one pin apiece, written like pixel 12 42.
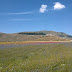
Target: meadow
pixel 52 57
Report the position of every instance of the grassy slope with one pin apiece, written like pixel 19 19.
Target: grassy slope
pixel 52 38
pixel 60 34
pixel 35 36
pixel 17 37
pixel 37 58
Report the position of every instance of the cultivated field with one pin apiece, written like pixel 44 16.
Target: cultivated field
pixel 36 57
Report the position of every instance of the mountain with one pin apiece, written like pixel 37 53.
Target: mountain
pixel 60 34
pixel 35 36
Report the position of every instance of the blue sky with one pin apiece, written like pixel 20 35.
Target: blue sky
pixel 35 15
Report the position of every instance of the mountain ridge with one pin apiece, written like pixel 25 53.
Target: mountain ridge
pixel 35 36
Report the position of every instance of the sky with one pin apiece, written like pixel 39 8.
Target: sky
pixel 35 15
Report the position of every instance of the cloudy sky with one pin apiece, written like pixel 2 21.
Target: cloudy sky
pixel 35 15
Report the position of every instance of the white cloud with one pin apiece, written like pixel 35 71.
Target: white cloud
pixel 43 8
pixel 20 19
pixel 58 6
pixel 21 13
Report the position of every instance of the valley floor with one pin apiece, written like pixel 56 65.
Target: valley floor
pixel 34 42
pixel 48 57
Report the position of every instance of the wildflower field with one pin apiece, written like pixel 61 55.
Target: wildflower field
pixel 51 57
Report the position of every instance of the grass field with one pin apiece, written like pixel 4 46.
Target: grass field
pixel 37 58
pixel 31 42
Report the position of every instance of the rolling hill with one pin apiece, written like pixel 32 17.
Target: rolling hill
pixel 35 36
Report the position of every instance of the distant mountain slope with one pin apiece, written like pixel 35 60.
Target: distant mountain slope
pixel 35 36
pixel 32 33
pixel 2 34
pixel 60 34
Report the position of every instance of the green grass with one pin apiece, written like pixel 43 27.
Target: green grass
pixel 37 58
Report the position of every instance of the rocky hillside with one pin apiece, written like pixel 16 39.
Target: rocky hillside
pixel 35 36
